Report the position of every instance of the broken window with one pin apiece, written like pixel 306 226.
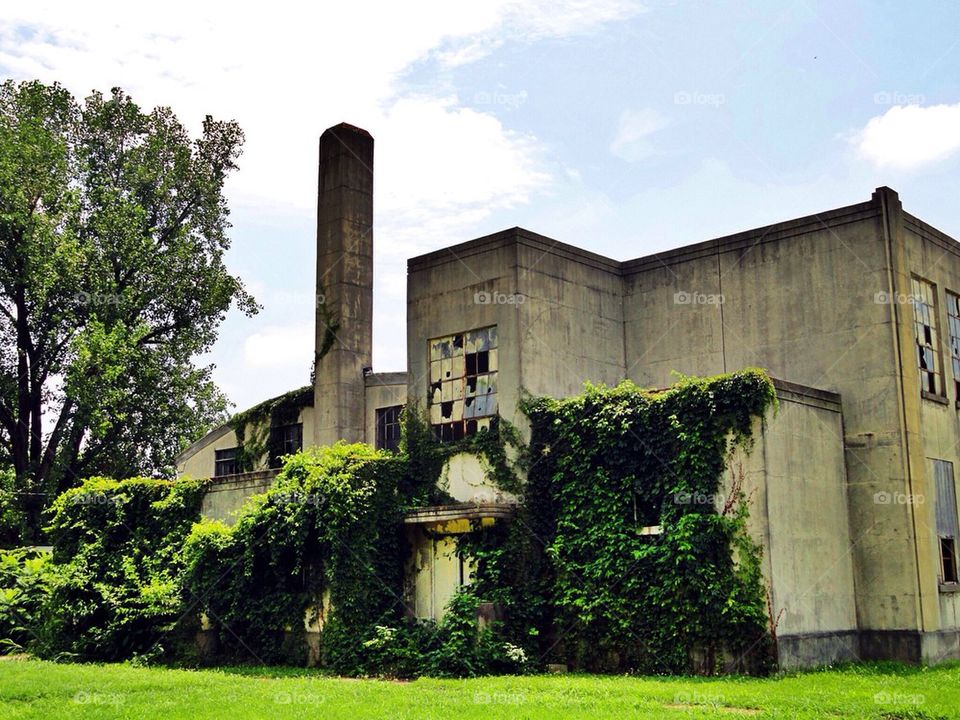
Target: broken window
pixel 462 397
pixel 285 440
pixel 947 522
pixel 953 321
pixel 388 428
pixel 928 344
pixel 225 462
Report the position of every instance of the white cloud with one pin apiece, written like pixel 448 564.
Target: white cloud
pixel 285 71
pixel 276 346
pixel 632 142
pixel 911 136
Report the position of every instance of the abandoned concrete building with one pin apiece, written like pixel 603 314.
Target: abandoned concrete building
pixel 855 310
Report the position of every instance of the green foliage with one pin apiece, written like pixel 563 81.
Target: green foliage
pixel 500 448
pixel 576 574
pixel 324 539
pixel 117 591
pixel 25 579
pixel 113 231
pixel 12 517
pixel 252 426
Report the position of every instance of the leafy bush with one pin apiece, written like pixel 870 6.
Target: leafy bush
pixel 574 571
pixel 118 545
pixel 25 579
pixel 325 540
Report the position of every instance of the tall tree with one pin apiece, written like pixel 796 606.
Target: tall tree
pixel 112 282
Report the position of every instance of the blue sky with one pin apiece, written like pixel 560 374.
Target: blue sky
pixel 621 127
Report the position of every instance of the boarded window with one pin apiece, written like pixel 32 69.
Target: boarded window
pixel 947 522
pixel 225 462
pixel 924 300
pixel 388 428
pixel 462 396
pixel 285 440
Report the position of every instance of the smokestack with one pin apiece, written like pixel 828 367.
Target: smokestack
pixel 344 335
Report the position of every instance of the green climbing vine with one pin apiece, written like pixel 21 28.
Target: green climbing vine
pixel 626 556
pixel 252 426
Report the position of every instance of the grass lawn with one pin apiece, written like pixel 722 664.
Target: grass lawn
pixel 33 689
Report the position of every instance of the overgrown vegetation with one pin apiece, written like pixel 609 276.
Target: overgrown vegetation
pixel 627 554
pixel 118 592
pixel 252 426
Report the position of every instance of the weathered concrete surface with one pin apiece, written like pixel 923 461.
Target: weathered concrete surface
pixel 344 283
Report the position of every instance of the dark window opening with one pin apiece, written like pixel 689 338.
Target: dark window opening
pixel 285 440
pixel 924 301
pixel 948 560
pixel 388 428
pixel 225 462
pixel 947 520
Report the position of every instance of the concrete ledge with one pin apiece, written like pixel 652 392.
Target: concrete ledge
pixel 382 379
pixel 438 514
pixel 240 481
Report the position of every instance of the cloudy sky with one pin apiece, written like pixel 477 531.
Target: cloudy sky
pixel 621 127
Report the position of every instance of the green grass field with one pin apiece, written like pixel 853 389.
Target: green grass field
pixel 32 689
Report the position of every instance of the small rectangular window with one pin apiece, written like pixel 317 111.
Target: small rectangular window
pixel 388 428
pixel 285 440
pixel 225 462
pixel 924 301
pixel 947 521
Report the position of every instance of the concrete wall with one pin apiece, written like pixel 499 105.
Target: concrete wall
pixel 795 478
pixel 382 390
pixel 800 300
pixel 930 254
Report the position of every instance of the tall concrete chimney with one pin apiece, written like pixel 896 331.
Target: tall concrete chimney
pixel 344 339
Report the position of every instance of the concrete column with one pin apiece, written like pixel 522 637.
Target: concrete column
pixel 344 338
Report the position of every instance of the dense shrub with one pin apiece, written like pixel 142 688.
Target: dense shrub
pixel 25 579
pixel 325 539
pixel 118 546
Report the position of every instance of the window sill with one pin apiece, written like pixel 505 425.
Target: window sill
pixel 935 398
pixel 950 587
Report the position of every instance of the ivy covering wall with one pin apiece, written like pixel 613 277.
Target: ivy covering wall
pixel 627 553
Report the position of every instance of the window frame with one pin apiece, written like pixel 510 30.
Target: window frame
pixel 218 461
pixel 947 523
pixel 919 302
pixel 468 378
pixel 278 447
pixel 953 324
pixel 383 421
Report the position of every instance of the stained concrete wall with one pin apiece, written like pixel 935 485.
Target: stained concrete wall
pixel 795 479
pixel 800 300
pixel 935 257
